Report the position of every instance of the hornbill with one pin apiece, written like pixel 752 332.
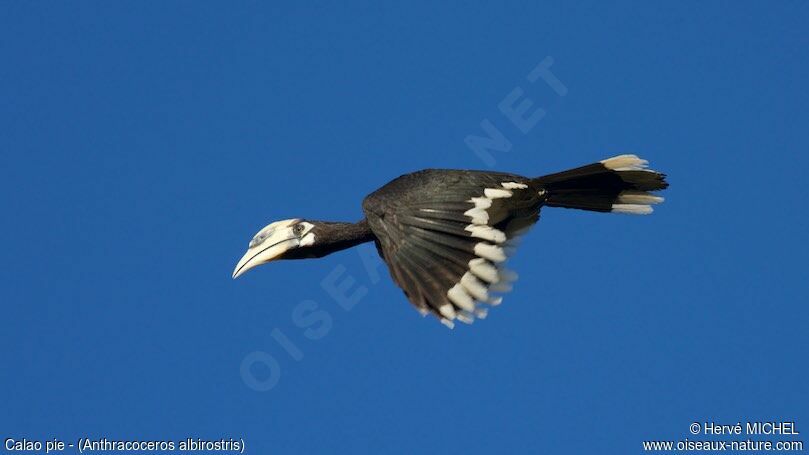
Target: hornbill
pixel 446 234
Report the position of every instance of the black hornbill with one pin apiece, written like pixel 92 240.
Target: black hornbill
pixel 446 234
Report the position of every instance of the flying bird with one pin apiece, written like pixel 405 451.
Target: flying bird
pixel 446 234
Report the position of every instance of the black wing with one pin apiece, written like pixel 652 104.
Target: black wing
pixel 446 235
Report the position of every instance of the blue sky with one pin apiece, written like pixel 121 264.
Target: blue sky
pixel 144 143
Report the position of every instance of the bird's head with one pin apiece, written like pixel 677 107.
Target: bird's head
pixel 287 239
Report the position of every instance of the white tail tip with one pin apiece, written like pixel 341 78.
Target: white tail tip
pixel 632 209
pixel 625 163
pixel 638 197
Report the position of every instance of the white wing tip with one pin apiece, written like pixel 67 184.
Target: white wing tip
pixel 514 186
pixel 496 193
pixel 486 233
pixel 491 252
pixel 458 295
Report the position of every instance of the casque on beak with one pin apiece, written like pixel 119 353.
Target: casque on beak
pixel 269 244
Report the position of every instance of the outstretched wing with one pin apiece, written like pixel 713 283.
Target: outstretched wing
pixel 446 236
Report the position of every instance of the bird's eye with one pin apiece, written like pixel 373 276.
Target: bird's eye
pixel 298 229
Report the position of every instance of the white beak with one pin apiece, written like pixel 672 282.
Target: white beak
pixel 279 240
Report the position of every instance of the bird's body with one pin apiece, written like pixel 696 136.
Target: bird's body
pixel 446 234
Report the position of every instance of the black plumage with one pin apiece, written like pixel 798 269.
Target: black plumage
pixel 446 234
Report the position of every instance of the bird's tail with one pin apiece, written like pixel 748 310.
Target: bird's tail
pixel 620 184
